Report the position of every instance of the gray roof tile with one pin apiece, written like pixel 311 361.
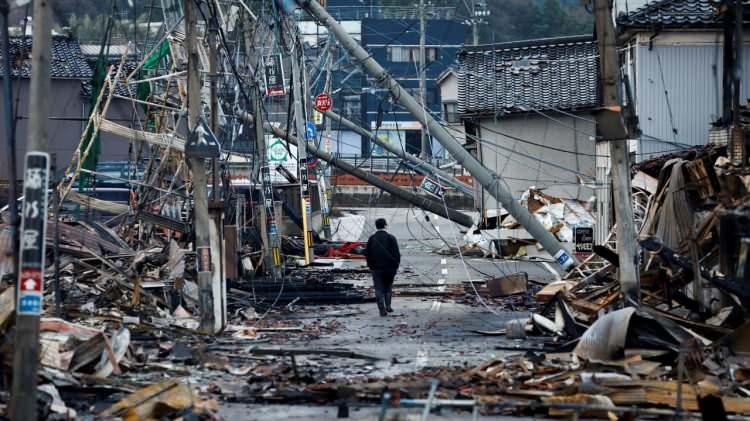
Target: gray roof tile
pixel 675 13
pixel 547 74
pixel 67 59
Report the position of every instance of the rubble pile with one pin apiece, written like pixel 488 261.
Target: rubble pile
pixel 121 339
pixel 684 349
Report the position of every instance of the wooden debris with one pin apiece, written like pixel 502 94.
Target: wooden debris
pixel 508 285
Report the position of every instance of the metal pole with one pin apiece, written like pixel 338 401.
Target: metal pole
pixel 323 192
pixel 486 178
pixel 627 246
pixel 300 124
pixel 419 201
pixel 201 219
pixel 10 134
pixel 419 165
pixel 422 202
pixel 33 227
pixel 425 149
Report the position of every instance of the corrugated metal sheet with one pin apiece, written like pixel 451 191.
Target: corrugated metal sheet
pixel 678 87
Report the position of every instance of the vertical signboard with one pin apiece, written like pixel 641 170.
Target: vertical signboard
pixel 584 241
pixel 273 73
pixel 33 234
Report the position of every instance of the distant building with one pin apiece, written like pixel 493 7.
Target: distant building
pixel 391 35
pixel 394 43
pixel 673 58
pixel 528 109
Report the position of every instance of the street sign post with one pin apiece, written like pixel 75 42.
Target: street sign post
pixel 310 131
pixel 433 187
pixel 323 102
pixel 201 142
pixel 584 240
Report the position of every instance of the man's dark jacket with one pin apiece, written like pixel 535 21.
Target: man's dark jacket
pixel 382 252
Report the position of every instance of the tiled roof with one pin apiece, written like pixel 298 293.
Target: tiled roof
pixel 67 60
pixel 547 74
pixel 675 13
pixel 121 88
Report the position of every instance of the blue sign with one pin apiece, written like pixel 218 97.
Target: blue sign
pixel 310 131
pixel 30 304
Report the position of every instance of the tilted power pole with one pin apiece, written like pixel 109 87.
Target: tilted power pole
pixel 30 286
pixel 419 165
pixel 486 178
pixel 611 126
pixel 420 201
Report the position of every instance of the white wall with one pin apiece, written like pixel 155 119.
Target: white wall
pixel 449 88
pixel 520 164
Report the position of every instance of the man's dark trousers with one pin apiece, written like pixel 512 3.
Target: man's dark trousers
pixel 383 281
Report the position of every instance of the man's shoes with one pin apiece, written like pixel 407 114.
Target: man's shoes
pixel 388 297
pixel 383 313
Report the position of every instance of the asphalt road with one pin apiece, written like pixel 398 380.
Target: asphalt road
pixel 425 331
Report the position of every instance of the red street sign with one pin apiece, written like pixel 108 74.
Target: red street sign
pixel 31 280
pixel 323 102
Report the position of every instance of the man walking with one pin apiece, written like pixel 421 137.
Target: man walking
pixel 383 258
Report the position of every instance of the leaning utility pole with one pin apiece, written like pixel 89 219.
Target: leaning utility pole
pixel 301 126
pixel 420 201
pixel 425 150
pixel 201 219
pixel 423 167
pixel 486 178
pixel 612 127
pixel 29 292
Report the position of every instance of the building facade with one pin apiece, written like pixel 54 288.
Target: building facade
pixel 391 35
pixel 673 58
pixel 528 109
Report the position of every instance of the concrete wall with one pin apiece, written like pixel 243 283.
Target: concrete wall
pixel 522 164
pixel 67 108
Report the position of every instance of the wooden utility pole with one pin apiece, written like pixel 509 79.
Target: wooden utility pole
pixel 425 149
pixel 201 219
pixel 612 128
pixel 301 125
pixel 34 222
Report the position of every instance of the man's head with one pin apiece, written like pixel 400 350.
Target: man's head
pixel 380 223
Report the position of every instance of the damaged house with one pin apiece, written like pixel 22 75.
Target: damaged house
pixel 529 107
